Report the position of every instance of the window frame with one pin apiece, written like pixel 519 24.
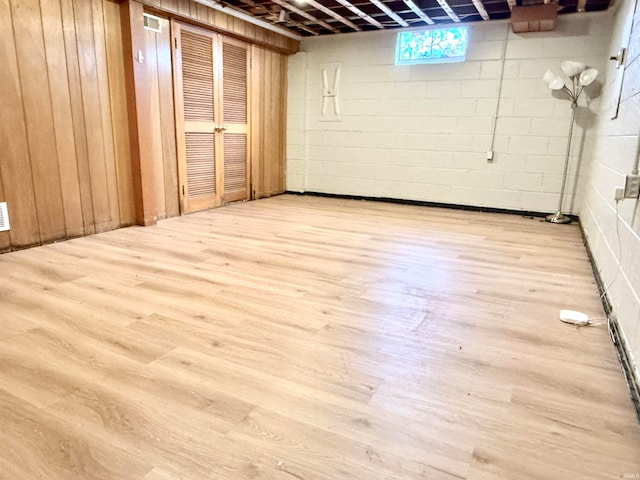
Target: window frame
pixel 430 60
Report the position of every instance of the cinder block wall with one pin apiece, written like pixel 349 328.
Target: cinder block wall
pixel 421 132
pixel 613 144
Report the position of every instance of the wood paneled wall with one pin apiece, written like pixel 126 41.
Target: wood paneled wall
pixel 267 92
pixel 220 20
pixel 267 104
pixel 65 150
pixel 158 58
pixel 64 165
pixel 268 122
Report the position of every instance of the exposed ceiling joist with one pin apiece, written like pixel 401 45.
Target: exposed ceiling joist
pixel 448 10
pixel 333 14
pixel 415 9
pixel 301 26
pixel 397 18
pixel 360 13
pixel 237 13
pixel 321 17
pixel 306 15
pixel 481 10
pixel 280 17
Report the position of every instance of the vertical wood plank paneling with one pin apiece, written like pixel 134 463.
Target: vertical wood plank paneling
pixel 276 108
pixel 120 122
pixel 29 41
pixel 92 114
pixel 155 124
pixel 62 117
pixel 105 110
pixel 184 7
pixel 260 34
pixel 178 89
pixel 77 114
pixel 222 19
pixel 66 134
pixel 259 178
pixel 202 12
pixel 5 238
pixel 167 120
pixel 282 122
pixel 138 111
pixel 171 5
pixel 254 105
pixel 266 116
pixel 239 27
pixel 250 30
pixel 15 168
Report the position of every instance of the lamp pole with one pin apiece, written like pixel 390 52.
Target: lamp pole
pixel 559 217
pixel 580 76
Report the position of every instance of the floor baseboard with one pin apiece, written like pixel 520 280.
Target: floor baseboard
pixel 422 203
pixel 633 382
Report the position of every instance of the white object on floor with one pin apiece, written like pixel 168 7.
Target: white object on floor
pixel 576 318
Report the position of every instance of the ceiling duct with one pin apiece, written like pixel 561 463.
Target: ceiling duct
pixel 534 18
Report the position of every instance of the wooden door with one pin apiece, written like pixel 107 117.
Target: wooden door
pixel 235 69
pixel 210 75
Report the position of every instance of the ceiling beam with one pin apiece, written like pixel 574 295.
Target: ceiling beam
pixel 481 10
pixel 352 8
pixel 333 14
pixel 306 15
pixel 415 9
pixel 448 10
pixel 301 26
pixel 288 21
pixel 390 13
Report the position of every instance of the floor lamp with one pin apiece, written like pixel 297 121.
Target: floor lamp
pixel 579 76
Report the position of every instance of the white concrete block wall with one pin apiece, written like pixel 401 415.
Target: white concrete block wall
pixel 296 121
pixel 613 144
pixel 421 132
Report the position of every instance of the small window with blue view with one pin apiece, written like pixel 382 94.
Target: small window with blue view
pixel 444 45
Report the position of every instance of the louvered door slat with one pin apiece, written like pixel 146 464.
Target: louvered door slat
pixel 235 163
pixel 197 77
pixel 201 171
pixel 234 83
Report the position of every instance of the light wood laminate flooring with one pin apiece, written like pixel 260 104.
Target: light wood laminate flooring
pixel 311 338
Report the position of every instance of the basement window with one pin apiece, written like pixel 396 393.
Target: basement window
pixel 444 45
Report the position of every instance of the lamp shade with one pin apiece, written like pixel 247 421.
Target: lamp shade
pixel 571 69
pixel 548 76
pixel 557 83
pixel 588 76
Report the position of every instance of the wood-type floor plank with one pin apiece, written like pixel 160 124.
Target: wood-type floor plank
pixel 311 338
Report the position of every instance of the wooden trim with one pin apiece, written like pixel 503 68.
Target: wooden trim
pixel 254 103
pixel 138 106
pixel 162 12
pixel 284 63
pixel 179 113
pixel 250 130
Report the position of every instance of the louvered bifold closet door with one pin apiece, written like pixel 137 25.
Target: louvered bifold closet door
pixel 199 155
pixel 235 68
